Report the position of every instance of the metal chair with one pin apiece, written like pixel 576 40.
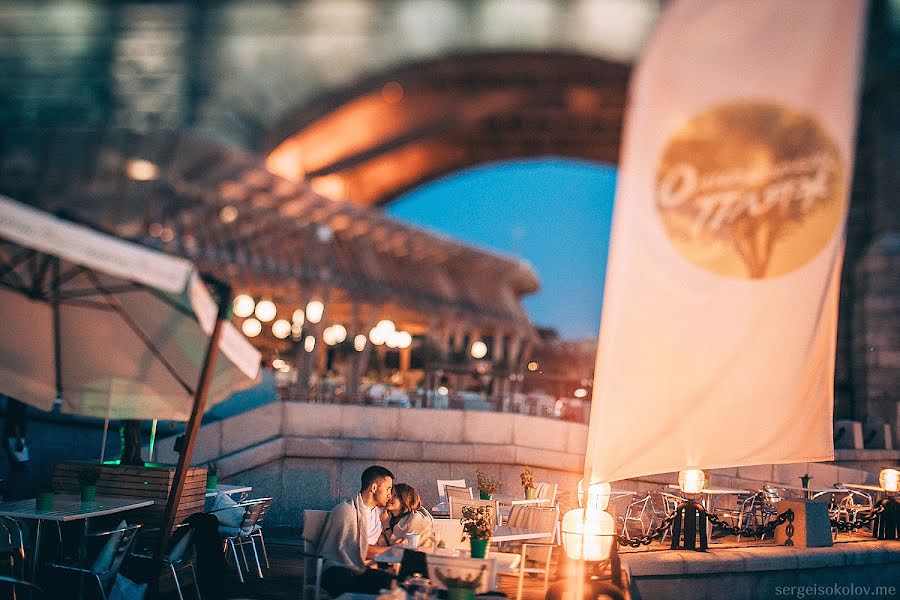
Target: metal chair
pixel 14 583
pixel 313 522
pixel 639 512
pixel 662 504
pixel 179 556
pixel 12 544
pixel 246 533
pixel 108 561
pixel 854 503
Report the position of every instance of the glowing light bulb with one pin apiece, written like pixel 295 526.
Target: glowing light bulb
pixel 690 481
pixel 281 329
pixel 265 310
pixel 251 327
pixel 359 343
pixel 243 305
pixel 314 311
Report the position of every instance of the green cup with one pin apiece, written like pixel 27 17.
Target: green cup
pixel 44 502
pixel 88 493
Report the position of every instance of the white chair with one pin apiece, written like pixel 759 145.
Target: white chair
pixel 441 567
pixel 452 534
pixel 246 532
pixel 456 507
pixel 546 491
pixel 443 483
pixel 532 556
pixel 178 558
pixel 313 522
pixel 459 493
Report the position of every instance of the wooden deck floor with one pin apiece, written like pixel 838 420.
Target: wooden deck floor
pixel 284 579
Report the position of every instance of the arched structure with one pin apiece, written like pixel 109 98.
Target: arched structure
pixel 394 131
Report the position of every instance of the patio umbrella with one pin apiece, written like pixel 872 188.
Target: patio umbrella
pixel 113 329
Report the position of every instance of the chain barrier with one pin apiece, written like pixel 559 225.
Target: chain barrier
pixel 856 523
pixel 656 533
pixel 759 531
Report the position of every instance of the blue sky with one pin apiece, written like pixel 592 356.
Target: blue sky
pixel 554 213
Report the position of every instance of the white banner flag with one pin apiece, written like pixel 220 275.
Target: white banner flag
pixel 717 337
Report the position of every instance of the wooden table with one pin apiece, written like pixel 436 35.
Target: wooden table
pixel 66 508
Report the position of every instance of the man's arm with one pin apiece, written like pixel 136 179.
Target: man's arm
pixel 374 551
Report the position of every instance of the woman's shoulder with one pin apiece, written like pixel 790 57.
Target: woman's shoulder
pixel 418 515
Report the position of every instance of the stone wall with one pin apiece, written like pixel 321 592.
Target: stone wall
pixel 310 456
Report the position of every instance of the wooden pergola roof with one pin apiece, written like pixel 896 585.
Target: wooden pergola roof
pixel 193 196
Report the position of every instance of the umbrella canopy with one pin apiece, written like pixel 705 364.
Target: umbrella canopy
pixel 114 329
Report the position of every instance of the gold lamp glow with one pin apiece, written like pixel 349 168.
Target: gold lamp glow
pixel 298 317
pixel 243 305
pixel 597 497
pixel 889 479
pixel 479 349
pixel 690 481
pixel 588 533
pixel 309 343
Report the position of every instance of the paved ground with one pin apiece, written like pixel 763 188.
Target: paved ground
pixel 284 579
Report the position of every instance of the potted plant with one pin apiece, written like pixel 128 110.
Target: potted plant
pixel 486 485
pixel 528 483
pixel 460 587
pixel 212 475
pixel 88 477
pixel 478 526
pixel 43 502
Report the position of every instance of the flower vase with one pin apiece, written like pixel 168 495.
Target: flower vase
pixel 44 502
pixel 88 493
pixel 530 493
pixel 455 593
pixel 484 495
pixel 212 481
pixel 479 547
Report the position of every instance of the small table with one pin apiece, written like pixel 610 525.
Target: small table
pixel 505 533
pixel 394 554
pixel 864 486
pixel 66 508
pixel 231 490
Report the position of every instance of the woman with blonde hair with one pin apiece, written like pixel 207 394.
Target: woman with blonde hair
pixel 404 514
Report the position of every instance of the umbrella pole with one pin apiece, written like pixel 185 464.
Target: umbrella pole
pixel 103 443
pixel 152 439
pixel 190 435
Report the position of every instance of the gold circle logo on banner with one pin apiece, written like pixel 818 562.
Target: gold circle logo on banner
pixel 750 190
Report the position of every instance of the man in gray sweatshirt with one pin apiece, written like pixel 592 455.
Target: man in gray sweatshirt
pixel 349 536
